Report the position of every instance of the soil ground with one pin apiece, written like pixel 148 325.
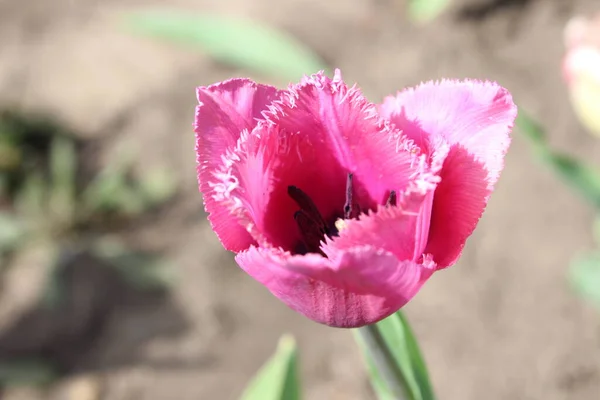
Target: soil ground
pixel 501 324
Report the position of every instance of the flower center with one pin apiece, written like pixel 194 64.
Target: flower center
pixel 313 227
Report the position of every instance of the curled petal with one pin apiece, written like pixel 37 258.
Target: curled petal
pixel 401 230
pixel 471 121
pixel 224 111
pixel 357 287
pixel 459 202
pixel 478 116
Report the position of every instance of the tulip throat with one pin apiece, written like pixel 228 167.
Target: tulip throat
pixel 311 224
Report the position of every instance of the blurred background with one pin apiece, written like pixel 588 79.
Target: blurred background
pixel 112 284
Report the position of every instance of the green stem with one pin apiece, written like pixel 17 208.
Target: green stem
pixel 384 362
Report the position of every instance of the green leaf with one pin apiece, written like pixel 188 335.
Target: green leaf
pixel 127 201
pixel 3 185
pixel 12 230
pixel 10 154
pixel 27 372
pixel 377 382
pixel 63 171
pixel 236 41
pixel 143 271
pixel 31 200
pixel 426 10
pixel 114 190
pixel 402 343
pixel 157 186
pixel 585 277
pixel 56 290
pixel 278 378
pixel 109 190
pixel 579 175
pixel 531 129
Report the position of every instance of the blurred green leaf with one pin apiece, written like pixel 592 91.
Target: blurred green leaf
pixel 580 176
pixel 239 42
pixel 10 154
pixel 63 171
pixel 278 378
pixel 3 184
pixel 426 10
pixel 106 191
pixel 27 372
pixel 114 190
pixel 531 129
pixel 31 199
pixel 401 342
pixel 585 277
pixel 142 271
pixel 377 381
pixel 128 201
pixel 157 186
pixel 12 231
pixel 57 256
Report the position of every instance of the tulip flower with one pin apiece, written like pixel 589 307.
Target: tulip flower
pixel 581 69
pixel 343 208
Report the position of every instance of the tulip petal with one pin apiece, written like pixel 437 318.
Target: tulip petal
pixel 401 230
pixel 224 111
pixel 474 120
pixel 357 287
pixel 459 202
pixel 476 115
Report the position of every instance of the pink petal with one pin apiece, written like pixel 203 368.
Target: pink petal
pixel 252 183
pixel 245 183
pixel 477 115
pixel 224 111
pixel 459 202
pixel 359 286
pixel 401 230
pixel 474 120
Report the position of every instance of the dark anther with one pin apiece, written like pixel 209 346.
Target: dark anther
pixel 306 204
pixel 311 234
pixel 348 204
pixel 391 201
pixel 309 220
pixel 313 227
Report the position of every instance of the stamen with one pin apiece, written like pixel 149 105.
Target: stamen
pixel 310 209
pixel 311 233
pixel 348 204
pixel 392 199
pixel 311 224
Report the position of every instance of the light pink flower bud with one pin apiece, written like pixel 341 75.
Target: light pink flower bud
pixel 581 69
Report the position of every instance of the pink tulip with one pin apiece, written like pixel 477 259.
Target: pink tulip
pixel 340 207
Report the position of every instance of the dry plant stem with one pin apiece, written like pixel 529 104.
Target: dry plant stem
pixel 384 361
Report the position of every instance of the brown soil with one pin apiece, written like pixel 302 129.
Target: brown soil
pixel 501 324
